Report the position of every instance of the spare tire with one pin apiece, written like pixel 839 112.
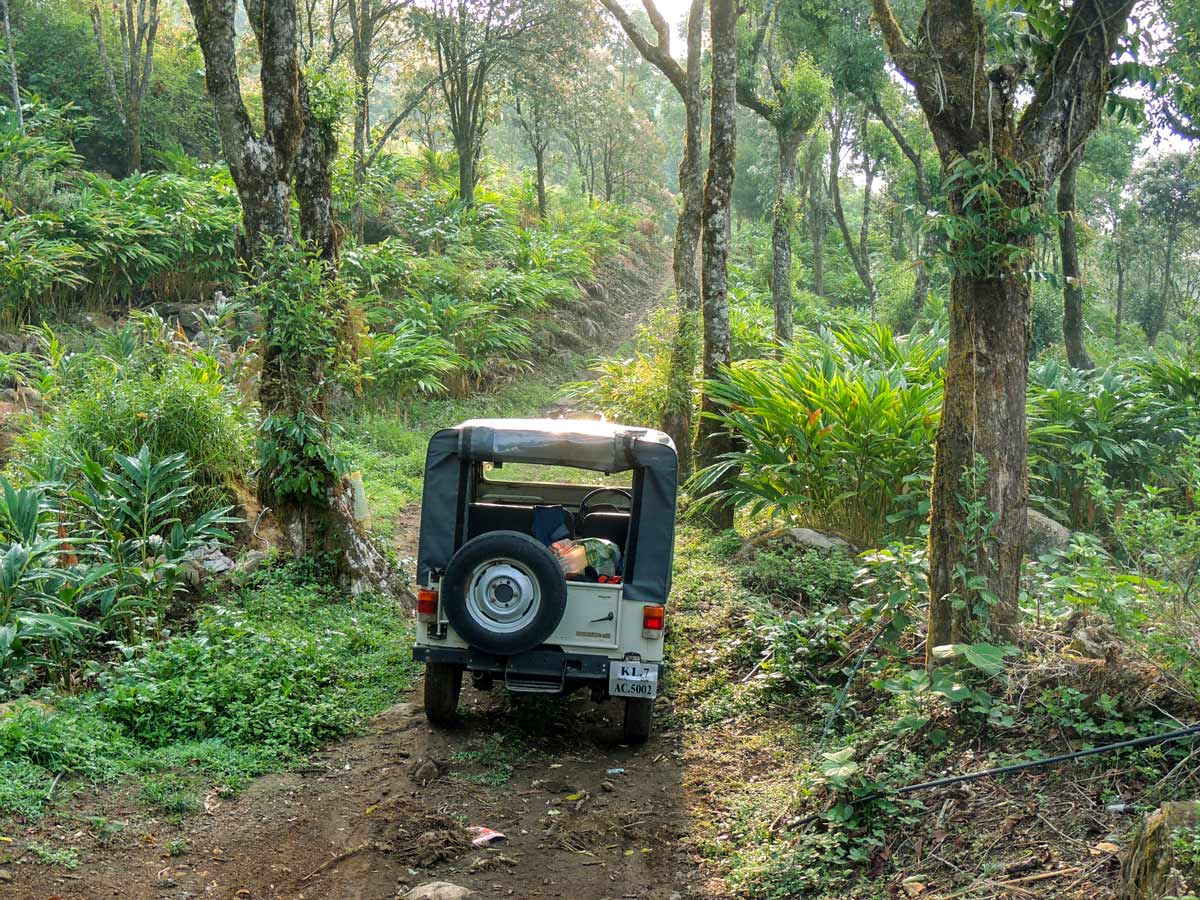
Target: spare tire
pixel 504 592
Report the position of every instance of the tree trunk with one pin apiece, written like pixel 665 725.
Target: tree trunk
pixel 862 264
pixel 983 417
pixel 12 67
pixel 677 417
pixel 1120 294
pixel 783 219
pixel 1159 317
pixel 466 169
pixel 133 137
pixel 718 190
pixel 293 146
pixel 1077 354
pixel 539 158
pixel 817 212
pixel 362 127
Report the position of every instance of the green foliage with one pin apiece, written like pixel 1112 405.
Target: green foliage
pixel 998 211
pixel 830 432
pixel 170 794
pixel 67 857
pixel 306 308
pixel 59 64
pixel 138 390
pixel 117 578
pixel 287 664
pixel 71 239
pixel 1129 419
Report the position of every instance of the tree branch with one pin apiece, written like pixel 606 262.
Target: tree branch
pixel 658 54
pixel 1072 88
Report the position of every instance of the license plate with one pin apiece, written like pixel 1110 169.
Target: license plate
pixel 626 679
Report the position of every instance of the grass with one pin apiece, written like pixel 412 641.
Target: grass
pixel 495 757
pixel 285 665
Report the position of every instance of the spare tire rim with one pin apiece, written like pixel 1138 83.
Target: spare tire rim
pixel 503 596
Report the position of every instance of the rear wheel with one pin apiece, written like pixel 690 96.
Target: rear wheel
pixel 443 685
pixel 639 719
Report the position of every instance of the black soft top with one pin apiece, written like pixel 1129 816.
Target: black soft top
pixel 599 446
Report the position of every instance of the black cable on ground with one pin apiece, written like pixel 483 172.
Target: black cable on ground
pixel 1177 735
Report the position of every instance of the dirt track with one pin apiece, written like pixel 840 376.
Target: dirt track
pixel 358 823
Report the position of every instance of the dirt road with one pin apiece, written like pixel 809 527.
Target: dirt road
pixel 370 818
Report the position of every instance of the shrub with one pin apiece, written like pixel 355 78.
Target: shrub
pixel 1131 419
pixel 70 239
pixel 172 401
pixel 633 389
pixel 830 433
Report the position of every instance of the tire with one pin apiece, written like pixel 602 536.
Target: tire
pixel 504 593
pixel 639 721
pixel 443 686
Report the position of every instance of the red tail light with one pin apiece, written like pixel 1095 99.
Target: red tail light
pixel 427 605
pixel 653 619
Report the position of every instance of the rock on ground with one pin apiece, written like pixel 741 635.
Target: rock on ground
pixel 1043 534
pixel 205 562
pixel 439 890
pixel 1157 866
pixel 815 540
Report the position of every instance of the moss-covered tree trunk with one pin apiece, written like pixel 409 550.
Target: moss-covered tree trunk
pixel 783 219
pixel 11 53
pixel 718 192
pixel 977 520
pixel 688 83
pixel 293 154
pixel 1068 242
pixel 983 419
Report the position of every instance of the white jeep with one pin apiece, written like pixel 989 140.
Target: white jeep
pixel 545 585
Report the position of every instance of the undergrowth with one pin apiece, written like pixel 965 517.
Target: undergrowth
pixel 797 770
pixel 283 664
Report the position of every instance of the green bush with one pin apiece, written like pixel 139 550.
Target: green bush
pixel 1130 418
pixel 172 401
pixel 831 433
pixel 71 239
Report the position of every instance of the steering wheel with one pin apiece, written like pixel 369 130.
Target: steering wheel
pixel 587 500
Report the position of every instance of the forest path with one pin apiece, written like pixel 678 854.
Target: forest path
pixel 372 816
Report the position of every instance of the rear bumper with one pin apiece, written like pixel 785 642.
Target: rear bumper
pixel 547 666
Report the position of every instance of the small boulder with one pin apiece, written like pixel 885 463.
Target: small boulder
pixel 815 540
pixel 250 562
pixel 1043 534
pixel 205 562
pixel 1157 865
pixel 425 771
pixel 6 876
pixel 439 890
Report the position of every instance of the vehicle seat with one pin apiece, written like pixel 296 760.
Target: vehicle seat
pixel 612 526
pixel 485 517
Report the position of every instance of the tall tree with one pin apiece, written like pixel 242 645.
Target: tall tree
pixel 857 249
pixel 1168 193
pixel 12 67
pixel 1072 275
pixel 924 194
pixel 291 155
pixel 714 442
pixel 473 41
pixel 817 205
pixel 798 94
pixel 370 20
pixel 138 27
pixel 687 81
pixel 993 136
